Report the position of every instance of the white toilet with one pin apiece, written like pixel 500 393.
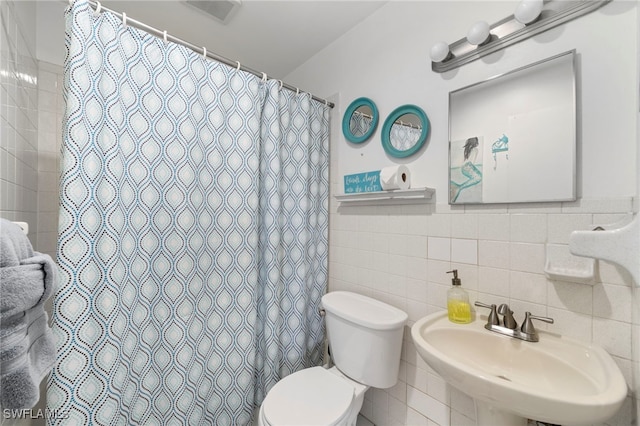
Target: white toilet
pixel 365 340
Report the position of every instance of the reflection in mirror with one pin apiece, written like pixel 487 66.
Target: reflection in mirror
pixel 512 138
pixel 405 131
pixel 360 120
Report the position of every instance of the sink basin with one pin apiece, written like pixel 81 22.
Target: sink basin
pixel 556 380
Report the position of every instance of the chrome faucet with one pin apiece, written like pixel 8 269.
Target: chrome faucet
pixel 509 326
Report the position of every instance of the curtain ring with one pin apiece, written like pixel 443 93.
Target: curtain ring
pixel 164 36
pixel 124 19
pixel 238 67
pixel 326 103
pixel 264 77
pixel 204 52
pixel 98 8
pixel 297 91
pixel 281 84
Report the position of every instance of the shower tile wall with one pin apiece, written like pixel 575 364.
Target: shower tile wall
pixel 19 115
pixel 400 254
pixel 31 116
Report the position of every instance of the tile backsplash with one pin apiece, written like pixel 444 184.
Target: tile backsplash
pixel 400 255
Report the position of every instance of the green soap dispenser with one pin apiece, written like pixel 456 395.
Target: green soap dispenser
pixel 458 301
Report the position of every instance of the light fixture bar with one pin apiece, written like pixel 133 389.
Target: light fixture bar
pixel 509 31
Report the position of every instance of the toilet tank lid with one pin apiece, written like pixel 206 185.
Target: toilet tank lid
pixel 363 310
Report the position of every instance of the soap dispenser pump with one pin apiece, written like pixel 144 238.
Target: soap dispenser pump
pixel 458 301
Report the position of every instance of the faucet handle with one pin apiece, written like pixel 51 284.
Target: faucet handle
pixel 493 315
pixel 527 325
pixel 507 319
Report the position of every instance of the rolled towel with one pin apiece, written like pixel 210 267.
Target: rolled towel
pixel 27 278
pixel 27 285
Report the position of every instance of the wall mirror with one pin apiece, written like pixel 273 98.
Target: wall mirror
pixel 405 131
pixel 512 138
pixel 360 120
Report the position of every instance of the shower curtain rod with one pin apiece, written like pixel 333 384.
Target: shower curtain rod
pixel 202 50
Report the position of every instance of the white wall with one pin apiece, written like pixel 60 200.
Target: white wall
pixel 399 254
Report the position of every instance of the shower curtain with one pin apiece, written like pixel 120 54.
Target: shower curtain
pixel 192 235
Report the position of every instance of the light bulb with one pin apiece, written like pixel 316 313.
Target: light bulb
pixel 528 10
pixel 478 33
pixel 439 51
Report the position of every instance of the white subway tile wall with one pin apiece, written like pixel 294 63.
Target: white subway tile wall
pixel 401 254
pixel 31 108
pixel 18 117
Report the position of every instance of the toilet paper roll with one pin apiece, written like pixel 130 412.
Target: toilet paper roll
pixel 395 177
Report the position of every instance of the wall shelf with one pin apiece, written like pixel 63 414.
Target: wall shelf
pixel 392 197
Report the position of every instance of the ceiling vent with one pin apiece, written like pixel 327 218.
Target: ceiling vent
pixel 221 10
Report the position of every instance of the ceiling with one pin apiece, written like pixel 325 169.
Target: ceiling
pixel 274 37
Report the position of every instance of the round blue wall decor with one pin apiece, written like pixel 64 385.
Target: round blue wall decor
pixel 360 120
pixel 405 131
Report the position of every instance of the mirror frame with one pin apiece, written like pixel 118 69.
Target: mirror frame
pixel 391 119
pixel 346 129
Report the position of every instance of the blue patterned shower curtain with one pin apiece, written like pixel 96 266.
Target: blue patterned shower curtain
pixel 192 236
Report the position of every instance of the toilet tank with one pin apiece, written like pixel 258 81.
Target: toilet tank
pixel 365 337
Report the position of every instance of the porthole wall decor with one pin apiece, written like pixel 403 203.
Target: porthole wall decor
pixel 360 120
pixel 405 131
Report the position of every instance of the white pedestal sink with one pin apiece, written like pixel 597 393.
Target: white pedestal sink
pixel 556 380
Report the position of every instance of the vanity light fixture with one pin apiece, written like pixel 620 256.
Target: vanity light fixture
pixel 531 17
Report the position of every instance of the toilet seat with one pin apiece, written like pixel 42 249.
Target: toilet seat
pixel 313 396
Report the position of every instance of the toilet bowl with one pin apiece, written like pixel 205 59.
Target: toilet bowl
pixel 313 396
pixel 365 339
